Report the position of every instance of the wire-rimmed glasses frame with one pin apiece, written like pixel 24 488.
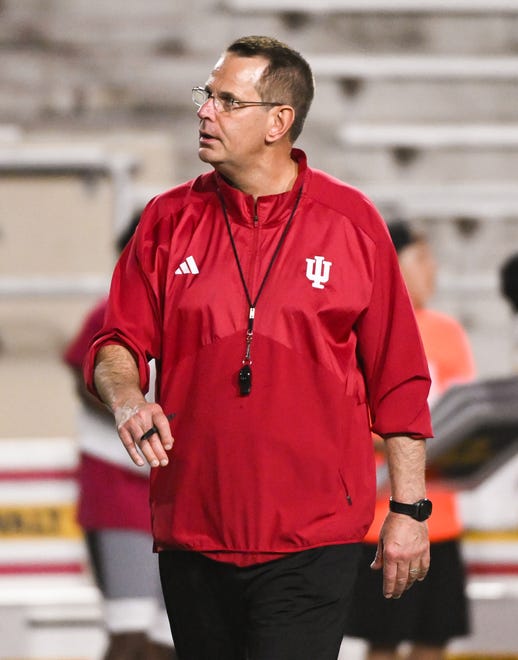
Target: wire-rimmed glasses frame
pixel 200 96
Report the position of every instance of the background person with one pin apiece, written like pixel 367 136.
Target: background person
pixel 113 510
pixel 437 609
pixel 270 296
pixel 508 276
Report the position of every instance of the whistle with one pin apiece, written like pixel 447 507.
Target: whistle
pixel 245 380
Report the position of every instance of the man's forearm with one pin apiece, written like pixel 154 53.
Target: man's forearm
pixel 403 549
pixel 406 460
pixel 91 402
pixel 116 378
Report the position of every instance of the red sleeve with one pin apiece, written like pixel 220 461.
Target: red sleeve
pixel 75 352
pixel 390 349
pixel 133 311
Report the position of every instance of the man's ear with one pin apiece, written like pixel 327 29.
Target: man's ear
pixel 281 120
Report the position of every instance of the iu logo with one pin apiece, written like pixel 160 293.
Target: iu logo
pixel 317 271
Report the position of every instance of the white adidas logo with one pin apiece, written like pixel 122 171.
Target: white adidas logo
pixel 187 267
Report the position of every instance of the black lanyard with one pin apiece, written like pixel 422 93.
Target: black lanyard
pixel 245 373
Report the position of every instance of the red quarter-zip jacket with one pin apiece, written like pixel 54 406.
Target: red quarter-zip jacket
pixel 335 352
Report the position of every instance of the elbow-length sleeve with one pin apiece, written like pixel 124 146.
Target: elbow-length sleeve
pixel 390 349
pixel 133 310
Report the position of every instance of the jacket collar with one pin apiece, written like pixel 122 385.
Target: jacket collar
pixel 270 209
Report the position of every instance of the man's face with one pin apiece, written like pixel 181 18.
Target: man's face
pixel 236 138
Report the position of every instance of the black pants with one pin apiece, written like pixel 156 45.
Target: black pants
pixel 293 608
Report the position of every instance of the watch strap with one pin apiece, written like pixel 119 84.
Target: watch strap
pixel 420 510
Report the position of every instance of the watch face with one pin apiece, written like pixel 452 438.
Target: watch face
pixel 424 509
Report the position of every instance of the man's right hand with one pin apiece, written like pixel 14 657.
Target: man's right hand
pixel 117 383
pixel 144 419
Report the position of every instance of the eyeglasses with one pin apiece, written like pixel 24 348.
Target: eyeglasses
pixel 224 103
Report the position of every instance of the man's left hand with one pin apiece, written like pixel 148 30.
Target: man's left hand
pixel 403 553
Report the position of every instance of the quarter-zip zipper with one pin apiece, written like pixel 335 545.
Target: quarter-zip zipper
pixel 254 247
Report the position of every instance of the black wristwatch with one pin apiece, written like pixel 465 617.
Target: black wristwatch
pixel 420 510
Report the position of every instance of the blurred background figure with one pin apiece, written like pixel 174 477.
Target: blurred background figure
pixel 509 290
pixel 113 510
pixel 445 341
pixel 436 610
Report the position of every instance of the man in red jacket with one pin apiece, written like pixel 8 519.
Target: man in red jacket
pixel 270 296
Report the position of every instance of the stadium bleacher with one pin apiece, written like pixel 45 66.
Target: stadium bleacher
pixel 365 6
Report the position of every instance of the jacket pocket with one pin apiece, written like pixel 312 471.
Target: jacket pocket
pixel 345 488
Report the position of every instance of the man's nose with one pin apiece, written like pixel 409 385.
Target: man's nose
pixel 207 109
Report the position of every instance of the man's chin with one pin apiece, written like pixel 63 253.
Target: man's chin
pixel 207 156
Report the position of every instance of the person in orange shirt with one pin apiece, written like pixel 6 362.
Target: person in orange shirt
pixel 437 609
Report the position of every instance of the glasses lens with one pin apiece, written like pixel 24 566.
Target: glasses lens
pixel 199 96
